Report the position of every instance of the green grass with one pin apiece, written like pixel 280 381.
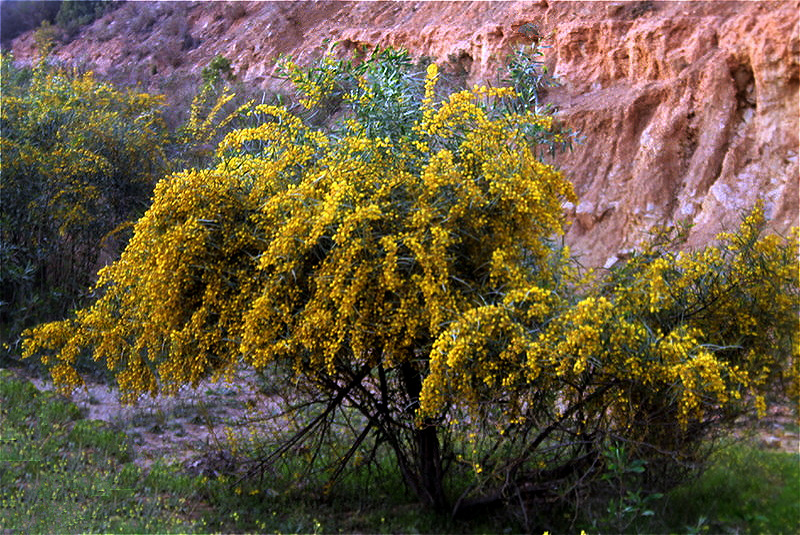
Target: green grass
pixel 745 490
pixel 62 473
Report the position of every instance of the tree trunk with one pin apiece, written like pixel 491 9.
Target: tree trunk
pixel 427 474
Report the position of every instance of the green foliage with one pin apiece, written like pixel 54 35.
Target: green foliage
pixel 528 75
pixel 388 75
pixel 627 503
pixel 94 434
pixel 368 499
pixel 745 489
pixel 79 159
pixel 87 488
pixel 218 67
pixel 56 20
pixel 45 38
pixel 74 14
pixel 400 264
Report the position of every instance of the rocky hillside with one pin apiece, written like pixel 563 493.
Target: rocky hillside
pixel 687 109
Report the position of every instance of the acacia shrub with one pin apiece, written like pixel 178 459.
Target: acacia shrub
pixel 80 158
pixel 352 250
pixel 655 357
pixel 401 264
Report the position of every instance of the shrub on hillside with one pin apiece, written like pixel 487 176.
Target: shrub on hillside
pixel 74 14
pixel 403 265
pixel 20 16
pixel 79 158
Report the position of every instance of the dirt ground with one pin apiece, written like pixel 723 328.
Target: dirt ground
pixel 189 427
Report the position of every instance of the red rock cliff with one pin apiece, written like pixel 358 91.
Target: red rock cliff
pixel 687 109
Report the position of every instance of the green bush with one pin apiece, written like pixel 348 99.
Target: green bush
pixel 79 159
pixel 218 67
pixel 69 16
pixel 74 14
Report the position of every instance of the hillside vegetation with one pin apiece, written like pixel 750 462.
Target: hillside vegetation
pixel 387 253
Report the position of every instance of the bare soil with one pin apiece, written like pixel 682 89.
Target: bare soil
pixel 193 427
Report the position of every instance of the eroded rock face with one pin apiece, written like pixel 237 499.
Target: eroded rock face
pixel 686 109
pixel 690 111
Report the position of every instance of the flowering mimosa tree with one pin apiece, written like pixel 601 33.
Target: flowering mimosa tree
pixel 401 264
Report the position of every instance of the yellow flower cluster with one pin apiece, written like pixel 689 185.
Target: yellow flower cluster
pixel 314 83
pixel 79 157
pixel 300 247
pixel 673 324
pixel 431 77
pixel 203 129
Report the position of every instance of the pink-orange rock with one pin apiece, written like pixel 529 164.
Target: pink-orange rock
pixel 690 111
pixel 687 110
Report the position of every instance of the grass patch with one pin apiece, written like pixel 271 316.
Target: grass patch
pixel 745 490
pixel 60 473
pixel 368 499
pixel 295 492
